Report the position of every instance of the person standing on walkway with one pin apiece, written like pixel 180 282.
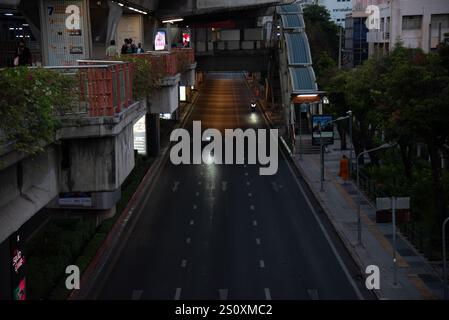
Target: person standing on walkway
pixel 111 51
pixel 344 168
pixel 22 56
pixel 140 49
pixel 124 46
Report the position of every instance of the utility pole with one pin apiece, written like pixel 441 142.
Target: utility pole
pixel 339 48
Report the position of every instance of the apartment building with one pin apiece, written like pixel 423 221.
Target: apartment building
pixel 416 23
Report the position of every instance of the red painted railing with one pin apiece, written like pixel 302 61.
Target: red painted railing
pixel 106 89
pixel 103 90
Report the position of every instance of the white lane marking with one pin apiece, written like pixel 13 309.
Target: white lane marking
pixel 183 263
pixel 178 293
pixel 197 194
pixel 262 264
pixel 325 233
pixel 195 207
pixel 188 240
pixel 223 294
pixel 248 183
pixel 258 241
pixel 255 223
pixel 267 294
pixel 137 294
pixel 250 194
pixel 313 294
pixel 252 207
pixel 175 186
pixel 192 222
pixel 224 185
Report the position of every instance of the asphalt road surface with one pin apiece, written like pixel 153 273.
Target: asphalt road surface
pixel 226 232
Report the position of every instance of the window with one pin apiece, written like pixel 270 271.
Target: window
pixel 438 19
pixel 411 22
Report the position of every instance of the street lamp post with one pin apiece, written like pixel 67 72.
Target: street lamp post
pixel 395 265
pixel 445 289
pixel 359 220
pixel 322 150
pixel 349 113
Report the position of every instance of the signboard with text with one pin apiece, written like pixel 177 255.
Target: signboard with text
pixel 322 130
pixel 160 40
pixel 64 24
pixel 18 266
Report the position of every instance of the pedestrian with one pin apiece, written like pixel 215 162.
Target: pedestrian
pixel 140 49
pixel 111 51
pixel 124 46
pixel 22 56
pixel 344 168
pixel 131 46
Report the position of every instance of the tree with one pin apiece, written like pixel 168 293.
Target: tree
pixel 414 108
pixel 322 32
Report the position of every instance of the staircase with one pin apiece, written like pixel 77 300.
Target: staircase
pixel 306 147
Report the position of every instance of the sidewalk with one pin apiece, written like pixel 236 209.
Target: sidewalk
pixel 416 277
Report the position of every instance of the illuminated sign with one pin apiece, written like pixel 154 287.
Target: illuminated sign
pixel 159 41
pixel 140 136
pixel 322 129
pixel 18 268
pixel 186 39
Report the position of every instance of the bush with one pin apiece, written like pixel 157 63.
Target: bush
pixel 145 78
pixel 30 101
pixel 52 250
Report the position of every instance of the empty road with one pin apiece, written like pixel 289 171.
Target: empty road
pixel 226 232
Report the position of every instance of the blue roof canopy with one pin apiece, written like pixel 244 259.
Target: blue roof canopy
pixel 292 21
pixel 289 9
pixel 298 48
pixel 303 80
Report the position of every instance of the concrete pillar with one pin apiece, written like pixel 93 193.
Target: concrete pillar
pixel 153 134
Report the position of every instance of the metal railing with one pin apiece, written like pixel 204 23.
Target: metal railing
pixel 103 89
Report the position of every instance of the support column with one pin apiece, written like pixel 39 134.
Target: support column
pixel 153 134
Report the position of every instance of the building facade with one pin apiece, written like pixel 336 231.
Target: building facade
pixel 412 22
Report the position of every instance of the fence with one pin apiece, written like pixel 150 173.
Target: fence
pixel 103 89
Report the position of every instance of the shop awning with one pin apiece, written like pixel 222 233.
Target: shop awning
pixel 298 49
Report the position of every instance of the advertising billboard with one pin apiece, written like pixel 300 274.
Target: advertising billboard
pixel 322 128
pixel 18 267
pixel 160 40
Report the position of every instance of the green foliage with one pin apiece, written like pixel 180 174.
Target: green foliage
pixel 146 75
pixel 30 101
pixel 403 98
pixel 54 248
pixel 321 31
